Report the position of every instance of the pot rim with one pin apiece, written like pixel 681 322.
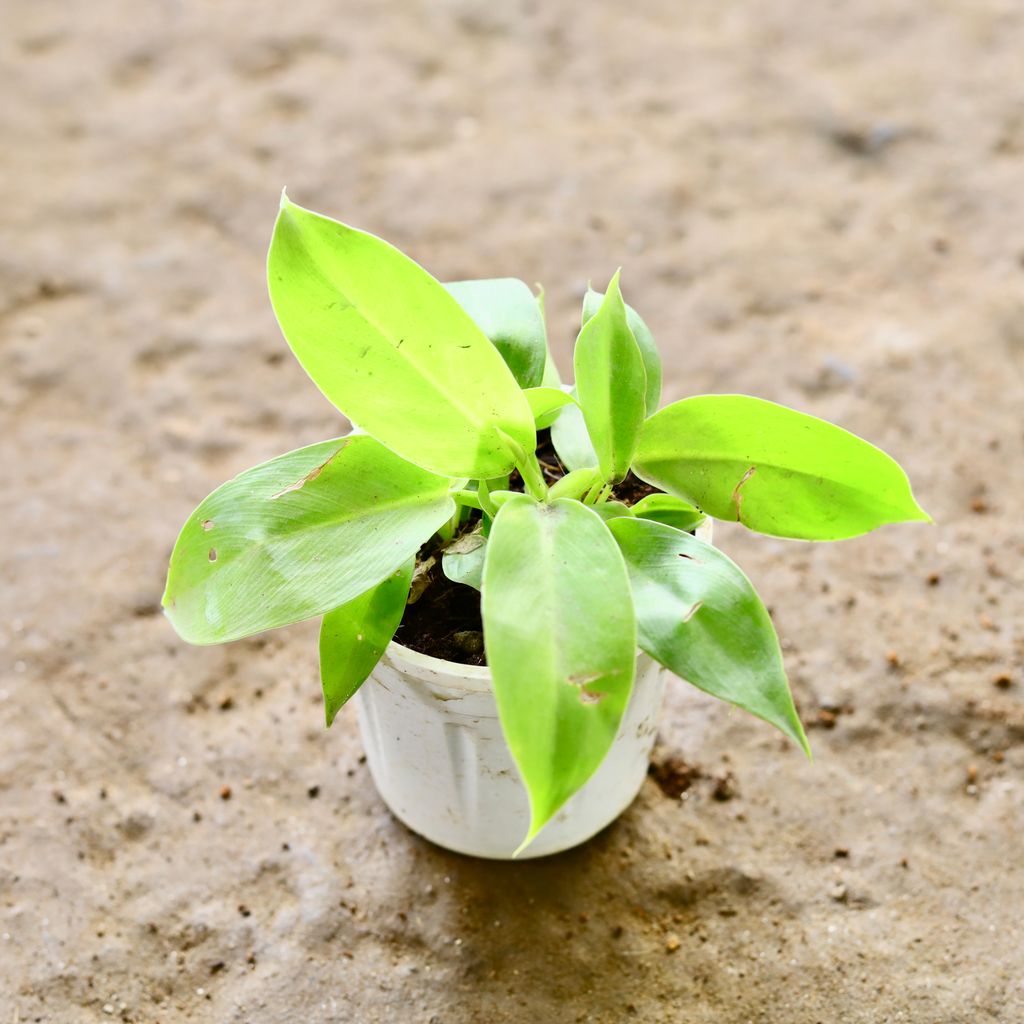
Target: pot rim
pixel 455 673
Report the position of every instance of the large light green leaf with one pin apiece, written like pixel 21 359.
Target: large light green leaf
pixel 298 536
pixel 645 342
pixel 774 470
pixel 700 617
pixel 611 384
pixel 506 311
pixel 561 643
pixel 392 349
pixel 354 636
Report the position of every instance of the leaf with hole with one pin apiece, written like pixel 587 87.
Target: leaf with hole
pixel 561 643
pixel 700 617
pixel 297 536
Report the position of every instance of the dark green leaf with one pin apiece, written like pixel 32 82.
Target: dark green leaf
pixel 700 617
pixel 354 636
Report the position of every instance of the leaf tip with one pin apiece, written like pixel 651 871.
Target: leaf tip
pixel 530 836
pixel 614 287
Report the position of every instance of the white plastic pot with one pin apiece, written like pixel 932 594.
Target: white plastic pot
pixel 438 757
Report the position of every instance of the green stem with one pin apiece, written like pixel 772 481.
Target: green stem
pixel 484 495
pixel 590 498
pixel 469 499
pixel 532 476
pixel 528 466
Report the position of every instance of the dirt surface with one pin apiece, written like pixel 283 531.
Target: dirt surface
pixel 819 203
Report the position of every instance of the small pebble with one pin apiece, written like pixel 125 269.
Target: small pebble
pixel 672 942
pixel 1002 681
pixel 725 787
pixel 225 792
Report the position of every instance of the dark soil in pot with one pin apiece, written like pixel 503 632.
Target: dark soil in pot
pixel 444 621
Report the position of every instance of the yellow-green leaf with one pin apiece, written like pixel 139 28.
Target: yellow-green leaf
pixel 611 384
pixel 772 469
pixel 561 643
pixel 392 349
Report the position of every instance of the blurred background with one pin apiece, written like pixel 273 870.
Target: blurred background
pixel 819 204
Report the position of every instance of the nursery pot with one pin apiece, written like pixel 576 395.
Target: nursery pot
pixel 437 755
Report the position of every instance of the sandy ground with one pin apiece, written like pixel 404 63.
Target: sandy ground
pixel 816 203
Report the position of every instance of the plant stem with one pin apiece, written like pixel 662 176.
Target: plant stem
pixel 467 499
pixel 533 477
pixel 484 495
pixel 597 488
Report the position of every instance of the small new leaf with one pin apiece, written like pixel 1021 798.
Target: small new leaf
pixel 545 403
pixel 670 510
pixel 571 440
pixel 611 384
pixel 463 559
pixel 645 342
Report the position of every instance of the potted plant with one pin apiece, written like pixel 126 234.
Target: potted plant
pixel 585 561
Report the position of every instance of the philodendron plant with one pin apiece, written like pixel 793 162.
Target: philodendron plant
pixel 449 385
